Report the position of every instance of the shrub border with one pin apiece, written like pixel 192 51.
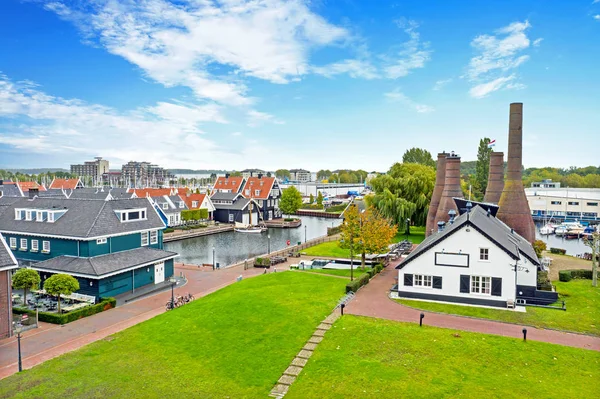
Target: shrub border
pixel 568 275
pixel 64 318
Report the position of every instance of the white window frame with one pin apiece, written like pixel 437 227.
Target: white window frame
pixel 28 215
pixel 165 207
pixel 145 240
pixel 46 247
pixel 13 243
pixel 481 285
pixel 231 217
pixel 194 204
pixel 181 204
pixel 257 192
pixel 154 237
pixel 23 244
pixel 484 254
pixel 50 217
pixel 35 245
pixel 423 281
pixel 101 241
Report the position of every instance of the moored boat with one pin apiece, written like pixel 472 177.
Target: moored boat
pixel 547 230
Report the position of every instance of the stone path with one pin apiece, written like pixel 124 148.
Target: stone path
pixel 297 365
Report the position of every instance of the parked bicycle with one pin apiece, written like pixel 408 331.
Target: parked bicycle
pixel 188 298
pixel 171 305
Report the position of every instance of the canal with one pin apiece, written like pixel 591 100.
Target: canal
pixel 573 247
pixel 232 247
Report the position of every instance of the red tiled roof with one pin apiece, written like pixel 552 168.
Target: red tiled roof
pixel 26 185
pixel 232 184
pixel 263 185
pixel 67 184
pixel 188 199
pixel 151 192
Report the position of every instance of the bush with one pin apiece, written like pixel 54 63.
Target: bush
pixel 558 251
pixel 539 246
pixel 357 283
pixel 262 262
pixel 543 282
pixel 289 219
pixel 568 275
pixel 564 275
pixel 64 318
pixel 333 230
pixel 378 268
pixel 336 208
pixel 168 230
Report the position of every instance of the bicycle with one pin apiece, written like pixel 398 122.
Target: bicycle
pixel 188 298
pixel 170 305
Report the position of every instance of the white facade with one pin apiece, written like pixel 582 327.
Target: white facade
pixel 464 253
pixel 565 202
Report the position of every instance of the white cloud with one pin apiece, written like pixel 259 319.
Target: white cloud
pixel 353 67
pixel 236 134
pixel 597 17
pixel 397 96
pixel 595 1
pixel 441 83
pixel 537 42
pixel 412 55
pixel 257 118
pixel 499 54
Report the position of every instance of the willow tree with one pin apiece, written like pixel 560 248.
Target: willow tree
pixel 404 193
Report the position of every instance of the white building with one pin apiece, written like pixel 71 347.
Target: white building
pixel 300 175
pixel 582 204
pixel 473 261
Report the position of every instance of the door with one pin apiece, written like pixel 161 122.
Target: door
pixel 246 218
pixel 159 273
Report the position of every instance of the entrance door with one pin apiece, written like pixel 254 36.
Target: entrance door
pixel 159 273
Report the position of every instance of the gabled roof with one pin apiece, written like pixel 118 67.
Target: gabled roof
pixel 7 259
pixel 83 219
pixel 91 194
pixel 153 192
pixel 224 196
pixel 119 193
pixel 190 198
pixel 26 185
pixel 53 192
pixel 240 204
pixel 67 184
pixel 233 184
pixel 486 224
pixel 10 189
pixel 263 185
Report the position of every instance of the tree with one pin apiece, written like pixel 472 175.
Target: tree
pixel 291 200
pixel 539 246
pixel 311 199
pixel 482 168
pixel 594 243
pixel 323 174
pixel 25 279
pixel 418 155
pixel 269 174
pixel 282 173
pixel 376 233
pixel 350 233
pixel 61 284
pixel 320 198
pixel 235 174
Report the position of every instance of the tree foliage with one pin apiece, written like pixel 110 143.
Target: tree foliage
pixel 282 173
pixel 419 156
pixel 323 174
pixel 320 198
pixel 61 284
pixel 376 233
pixel 404 193
pixel 311 198
pixel 483 165
pixel 188 215
pixel 25 279
pixel 539 246
pixel 291 200
pixel 350 230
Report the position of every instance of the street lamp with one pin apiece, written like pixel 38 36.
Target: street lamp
pixel 18 330
pixel 407 228
pixel 269 243
pixel 213 257
pixel 173 282
pixel 305 227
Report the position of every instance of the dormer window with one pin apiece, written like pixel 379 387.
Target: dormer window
pixel 165 206
pixel 131 215
pixel 194 204
pixel 28 215
pixel 247 192
pixel 181 204
pixel 50 217
pixel 256 192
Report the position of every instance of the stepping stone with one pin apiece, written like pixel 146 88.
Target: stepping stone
pixel 280 389
pixel 315 340
pixel 305 354
pixel 324 326
pixel 320 333
pixel 286 380
pixel 299 362
pixel 293 371
pixel 331 318
pixel 310 347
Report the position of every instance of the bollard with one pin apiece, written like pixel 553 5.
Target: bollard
pixel 564 305
pixel 421 319
pixel 524 334
pixel 342 307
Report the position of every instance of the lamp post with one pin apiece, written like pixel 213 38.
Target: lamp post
pixel 173 282
pixel 407 227
pixel 351 264
pixel 18 330
pixel 269 244
pixel 305 226
pixel 213 257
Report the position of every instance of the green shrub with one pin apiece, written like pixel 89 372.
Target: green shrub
pixel 558 251
pixel 564 275
pixel 289 219
pixel 357 283
pixel 336 208
pixel 568 275
pixel 168 230
pixel 333 230
pixel 64 318
pixel 543 282
pixel 378 268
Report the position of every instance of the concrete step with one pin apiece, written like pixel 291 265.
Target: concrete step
pixel 305 354
pixel 300 362
pixel 310 347
pixel 320 333
pixel 286 380
pixel 294 371
pixel 315 340
pixel 324 326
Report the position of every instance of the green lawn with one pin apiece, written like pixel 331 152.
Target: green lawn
pixel 582 315
pixel 373 358
pixel 234 343
pixel 358 271
pixel 416 236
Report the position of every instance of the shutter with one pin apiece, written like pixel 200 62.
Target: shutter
pixel 408 279
pixel 464 283
pixel 496 286
pixel 437 282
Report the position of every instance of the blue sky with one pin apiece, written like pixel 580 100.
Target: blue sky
pixel 284 84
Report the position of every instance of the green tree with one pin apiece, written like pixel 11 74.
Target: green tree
pixel 350 233
pixel 61 284
pixel 235 174
pixel 25 279
pixel 291 200
pixel 320 198
pixel 282 173
pixel 483 165
pixel 334 178
pixel 323 174
pixel 311 199
pixel 418 155
pixel 376 233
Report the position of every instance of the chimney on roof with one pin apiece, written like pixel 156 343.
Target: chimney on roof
pixel 514 208
pixel 495 183
pixel 260 175
pixel 451 188
pixel 33 192
pixel 440 175
pixel 227 175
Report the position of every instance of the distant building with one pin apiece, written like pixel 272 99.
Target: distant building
pixel 300 175
pixel 246 173
pixel 94 169
pixel 144 174
pixel 548 183
pixel 570 204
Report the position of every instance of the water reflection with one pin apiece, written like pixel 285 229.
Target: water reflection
pixel 573 247
pixel 234 247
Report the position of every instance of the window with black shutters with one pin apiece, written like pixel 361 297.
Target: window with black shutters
pixel 437 282
pixel 408 279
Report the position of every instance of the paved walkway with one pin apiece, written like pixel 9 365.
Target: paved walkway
pixel 373 301
pixel 51 340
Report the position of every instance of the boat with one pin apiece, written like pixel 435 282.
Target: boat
pixel 249 228
pixel 587 233
pixel 560 230
pixel 547 230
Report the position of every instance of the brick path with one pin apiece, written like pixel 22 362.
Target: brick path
pixel 373 301
pixel 49 341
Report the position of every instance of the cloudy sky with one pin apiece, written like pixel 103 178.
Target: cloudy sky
pixel 315 84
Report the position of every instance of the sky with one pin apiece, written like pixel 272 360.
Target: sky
pixel 322 84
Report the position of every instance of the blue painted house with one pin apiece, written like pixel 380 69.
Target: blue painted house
pixel 111 247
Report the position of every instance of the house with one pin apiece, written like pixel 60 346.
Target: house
pixel 247 173
pixel 66 184
pixel 266 192
pixel 199 201
pixel 7 264
pixel 228 184
pixel 234 208
pixel 473 261
pixel 111 247
pixel 300 175
pixel 9 189
pixel 23 186
pixel 169 208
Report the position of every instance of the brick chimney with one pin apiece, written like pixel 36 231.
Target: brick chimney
pixel 495 183
pixel 440 175
pixel 451 188
pixel 33 192
pixel 514 208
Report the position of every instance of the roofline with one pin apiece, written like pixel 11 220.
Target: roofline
pixel 81 238
pixel 10 253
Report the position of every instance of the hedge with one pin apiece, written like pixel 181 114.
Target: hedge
pixel 168 230
pixel 568 275
pixel 64 318
pixel 558 251
pixel 356 284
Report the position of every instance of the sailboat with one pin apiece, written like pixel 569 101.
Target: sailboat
pixel 249 228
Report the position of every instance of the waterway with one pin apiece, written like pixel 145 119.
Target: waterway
pixel 231 247
pixel 573 247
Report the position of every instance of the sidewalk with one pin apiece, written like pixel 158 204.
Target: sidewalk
pixel 373 301
pixel 52 340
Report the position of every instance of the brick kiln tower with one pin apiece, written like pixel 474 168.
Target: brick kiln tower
pixel 440 176
pixel 514 208
pixel 495 183
pixel 451 189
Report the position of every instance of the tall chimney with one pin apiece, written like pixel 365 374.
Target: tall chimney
pixel 440 175
pixel 514 208
pixel 451 188
pixel 495 183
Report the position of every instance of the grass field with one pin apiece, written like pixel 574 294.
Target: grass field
pixel 233 343
pixel 582 315
pixel 358 271
pixel 371 358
